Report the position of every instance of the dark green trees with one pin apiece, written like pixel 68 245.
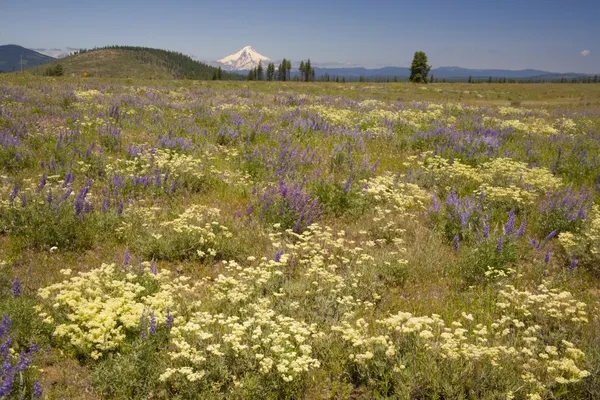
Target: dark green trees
pixel 419 68
pixel 283 72
pixel 307 73
pixel 260 72
pixel 270 71
pixel 58 70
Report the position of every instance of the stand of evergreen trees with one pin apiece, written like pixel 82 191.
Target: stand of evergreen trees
pixel 180 65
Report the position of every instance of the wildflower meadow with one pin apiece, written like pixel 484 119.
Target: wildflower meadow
pixel 288 240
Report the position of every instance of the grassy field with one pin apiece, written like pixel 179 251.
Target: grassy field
pixel 188 239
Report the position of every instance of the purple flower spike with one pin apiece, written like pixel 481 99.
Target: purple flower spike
pixel 500 244
pixel 551 235
pixel 522 228
pixel 510 224
pixel 456 244
pixel 16 287
pixel 37 390
pixel 153 268
pixel 278 255
pixel 169 320
pixel 152 324
pixel 573 264
pixel 547 257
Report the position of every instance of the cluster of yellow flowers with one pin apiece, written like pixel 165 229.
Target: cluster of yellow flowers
pixel 502 180
pixel 257 337
pixel 388 188
pixel 192 171
pixel 585 243
pixel 197 229
pixel 96 310
pixel 243 283
pixel 337 116
pixel 524 338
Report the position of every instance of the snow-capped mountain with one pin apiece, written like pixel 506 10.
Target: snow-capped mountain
pixel 244 59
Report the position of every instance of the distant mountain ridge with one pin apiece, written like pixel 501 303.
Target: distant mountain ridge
pixel 135 62
pixel 10 58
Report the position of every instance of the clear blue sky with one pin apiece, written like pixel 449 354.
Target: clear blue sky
pixel 514 34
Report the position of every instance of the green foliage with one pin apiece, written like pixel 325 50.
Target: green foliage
pixel 488 260
pixel 41 226
pixel 338 199
pixel 57 70
pixel 133 373
pixel 419 68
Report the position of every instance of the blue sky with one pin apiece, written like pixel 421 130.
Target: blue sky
pixel 558 36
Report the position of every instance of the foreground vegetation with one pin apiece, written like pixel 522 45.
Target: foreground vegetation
pixel 288 240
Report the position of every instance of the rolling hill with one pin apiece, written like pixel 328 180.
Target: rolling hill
pixel 134 62
pixel 10 58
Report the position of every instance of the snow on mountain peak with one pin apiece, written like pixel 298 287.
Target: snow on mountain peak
pixel 244 59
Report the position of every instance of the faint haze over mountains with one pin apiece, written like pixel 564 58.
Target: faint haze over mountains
pixel 550 35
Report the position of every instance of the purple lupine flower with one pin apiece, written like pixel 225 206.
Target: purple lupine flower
pixel 464 218
pixel 551 235
pixel 152 324
pixel 348 184
pixel 120 207
pixel 522 227
pixel 16 287
pixel 37 390
pixel 435 203
pixel 547 257
pixel 80 202
pixel 486 229
pixel 278 255
pixel 510 224
pixel 49 197
pixel 153 268
pixel 456 244
pixel 105 205
pixel 499 244
pixel 126 258
pixel 13 193
pixel 42 183
pixel 573 264
pixel 5 325
pixel 169 320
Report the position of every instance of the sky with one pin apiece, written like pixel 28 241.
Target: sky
pixel 551 35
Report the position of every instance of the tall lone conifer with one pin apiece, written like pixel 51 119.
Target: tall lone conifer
pixel 419 68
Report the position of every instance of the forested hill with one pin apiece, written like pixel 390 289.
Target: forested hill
pixel 136 62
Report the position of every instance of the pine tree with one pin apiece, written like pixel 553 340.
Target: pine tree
pixel 470 79
pixel 302 70
pixel 595 78
pixel 270 71
pixel 288 69
pixel 59 70
pixel 308 72
pixel 219 74
pixel 490 80
pixel 282 70
pixel 431 79
pixel 419 68
pixel 259 72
